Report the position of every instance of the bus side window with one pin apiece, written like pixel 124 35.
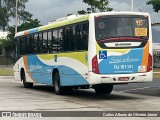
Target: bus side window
pixel 66 39
pixel 40 44
pixel 36 43
pixel 31 44
pixel 73 38
pixel 85 31
pixel 60 40
pixel 28 45
pixel 23 46
pixel 20 46
pixel 17 43
pixel 54 47
pixel 50 41
pixel 78 37
pixel 45 42
pixel 81 36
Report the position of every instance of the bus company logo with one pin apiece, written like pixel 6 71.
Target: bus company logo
pixel 123 60
pixel 123 44
pixel 34 67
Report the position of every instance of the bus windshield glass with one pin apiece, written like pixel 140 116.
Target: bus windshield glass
pixel 121 26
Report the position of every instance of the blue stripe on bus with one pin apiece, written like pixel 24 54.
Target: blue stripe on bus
pixel 33 30
pixel 42 73
pixel 72 79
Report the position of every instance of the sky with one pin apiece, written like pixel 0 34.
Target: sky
pixel 48 10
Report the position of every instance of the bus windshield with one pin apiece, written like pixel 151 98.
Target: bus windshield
pixel 121 26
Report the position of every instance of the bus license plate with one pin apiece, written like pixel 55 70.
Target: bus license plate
pixel 123 78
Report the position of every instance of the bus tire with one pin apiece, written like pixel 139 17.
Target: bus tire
pixel 58 89
pixel 103 89
pixel 26 84
pixel 109 89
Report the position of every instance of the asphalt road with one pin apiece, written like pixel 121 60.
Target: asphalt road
pixel 131 97
pixel 149 89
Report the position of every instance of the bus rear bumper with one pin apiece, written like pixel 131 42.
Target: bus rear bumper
pixel 120 78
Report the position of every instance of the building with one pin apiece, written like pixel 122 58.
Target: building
pixel 156 48
pixel 156 54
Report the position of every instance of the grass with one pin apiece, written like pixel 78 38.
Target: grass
pixel 6 66
pixel 156 69
pixel 6 72
pixel 156 75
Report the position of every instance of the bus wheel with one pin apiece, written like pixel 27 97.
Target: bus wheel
pixel 26 84
pixel 103 89
pixel 57 87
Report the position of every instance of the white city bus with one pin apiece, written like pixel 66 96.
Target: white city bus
pixel 96 51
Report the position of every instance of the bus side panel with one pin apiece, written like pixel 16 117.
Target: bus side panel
pixel 16 69
pixel 38 70
pixel 21 64
pixel 81 77
pixel 71 79
pixel 72 68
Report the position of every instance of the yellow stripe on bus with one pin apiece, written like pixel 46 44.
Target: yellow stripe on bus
pixel 63 23
pixel 79 56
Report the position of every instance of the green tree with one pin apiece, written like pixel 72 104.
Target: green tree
pixel 93 5
pixel 29 24
pixel 4 19
pixel 82 12
pixel 155 4
pixel 1 44
pixel 100 5
pixel 8 9
pixel 103 6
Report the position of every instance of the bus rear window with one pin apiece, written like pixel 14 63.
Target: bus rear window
pixel 121 26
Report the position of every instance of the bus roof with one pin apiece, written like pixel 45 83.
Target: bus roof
pixel 71 20
pixel 55 24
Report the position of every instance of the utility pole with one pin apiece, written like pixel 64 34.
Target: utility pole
pixel 16 23
pixel 132 6
pixel 16 19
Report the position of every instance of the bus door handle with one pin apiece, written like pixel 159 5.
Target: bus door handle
pixel 55 58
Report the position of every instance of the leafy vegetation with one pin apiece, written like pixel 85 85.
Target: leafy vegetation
pixel 7 11
pixel 100 5
pixel 155 4
pixel 6 60
pixel 9 44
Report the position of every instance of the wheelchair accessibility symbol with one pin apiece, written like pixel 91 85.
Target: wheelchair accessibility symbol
pixel 102 54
